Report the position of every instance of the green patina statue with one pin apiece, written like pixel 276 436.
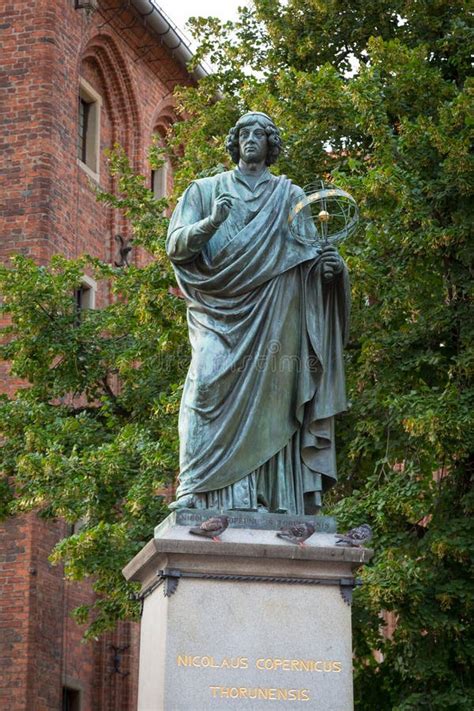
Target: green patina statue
pixel 268 317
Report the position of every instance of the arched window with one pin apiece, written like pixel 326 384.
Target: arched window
pixel 159 181
pixel 88 129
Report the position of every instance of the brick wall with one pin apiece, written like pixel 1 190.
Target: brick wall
pixel 41 646
pixel 15 580
pixel 47 203
pixel 47 206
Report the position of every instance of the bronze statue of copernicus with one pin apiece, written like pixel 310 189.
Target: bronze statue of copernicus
pixel 268 317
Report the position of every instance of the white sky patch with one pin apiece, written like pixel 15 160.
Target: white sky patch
pixel 179 11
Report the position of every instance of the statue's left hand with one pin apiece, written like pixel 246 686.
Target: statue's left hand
pixel 332 263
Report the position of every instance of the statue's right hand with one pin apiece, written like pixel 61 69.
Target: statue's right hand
pixel 221 208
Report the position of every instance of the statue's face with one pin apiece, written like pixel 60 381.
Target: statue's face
pixel 253 143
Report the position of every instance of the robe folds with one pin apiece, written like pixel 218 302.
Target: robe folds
pixel 266 376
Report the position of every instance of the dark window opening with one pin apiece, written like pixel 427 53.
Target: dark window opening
pixel 84 116
pixel 88 127
pixel 71 699
pixel 80 296
pixel 83 300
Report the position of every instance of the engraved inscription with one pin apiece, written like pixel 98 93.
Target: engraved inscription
pixel 209 662
pixel 206 661
pixel 296 665
pixel 258 693
pixel 261 664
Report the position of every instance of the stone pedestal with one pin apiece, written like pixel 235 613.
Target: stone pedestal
pixel 250 623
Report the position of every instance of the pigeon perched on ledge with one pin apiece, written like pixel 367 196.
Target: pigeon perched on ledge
pixel 297 534
pixel 211 528
pixel 356 537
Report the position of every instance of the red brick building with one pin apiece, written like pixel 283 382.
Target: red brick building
pixel 75 77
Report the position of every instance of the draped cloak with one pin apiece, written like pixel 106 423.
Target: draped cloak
pixel 266 376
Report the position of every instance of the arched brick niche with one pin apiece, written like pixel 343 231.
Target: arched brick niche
pixel 102 60
pixel 103 72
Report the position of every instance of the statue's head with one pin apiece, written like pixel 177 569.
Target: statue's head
pixel 274 142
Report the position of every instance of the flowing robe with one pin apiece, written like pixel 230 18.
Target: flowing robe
pixel 266 376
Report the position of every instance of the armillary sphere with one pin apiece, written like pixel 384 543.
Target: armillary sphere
pixel 326 215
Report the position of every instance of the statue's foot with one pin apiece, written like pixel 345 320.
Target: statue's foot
pixel 184 502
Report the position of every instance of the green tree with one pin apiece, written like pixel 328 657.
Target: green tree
pixel 92 435
pixel 377 97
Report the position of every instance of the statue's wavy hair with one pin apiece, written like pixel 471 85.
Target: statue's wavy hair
pixel 273 134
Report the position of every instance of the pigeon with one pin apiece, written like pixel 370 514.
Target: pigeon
pixel 356 536
pixel 297 534
pixel 211 528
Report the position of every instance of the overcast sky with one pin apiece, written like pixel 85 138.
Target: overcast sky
pixel 180 10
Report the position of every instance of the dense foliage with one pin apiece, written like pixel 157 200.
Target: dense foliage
pixel 375 96
pixel 93 437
